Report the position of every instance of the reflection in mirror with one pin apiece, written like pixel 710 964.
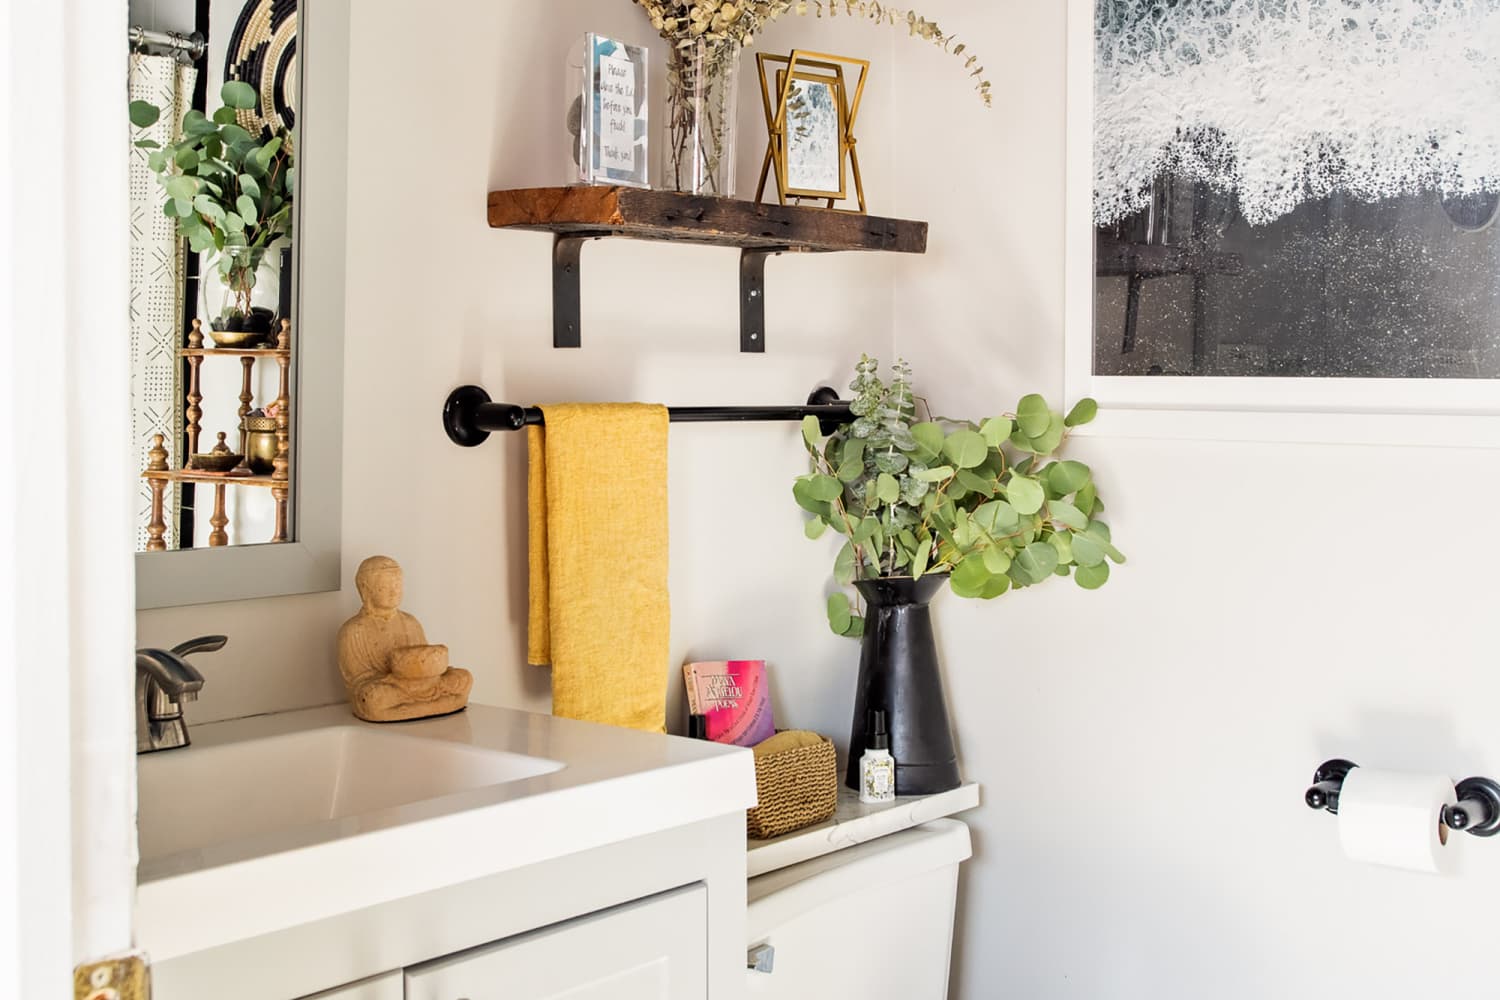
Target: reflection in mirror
pixel 213 177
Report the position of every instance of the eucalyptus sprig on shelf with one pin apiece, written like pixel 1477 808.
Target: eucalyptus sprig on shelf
pixel 685 22
pixel 225 187
pixel 988 502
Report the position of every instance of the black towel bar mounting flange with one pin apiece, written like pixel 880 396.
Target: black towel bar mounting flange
pixel 1477 811
pixel 469 417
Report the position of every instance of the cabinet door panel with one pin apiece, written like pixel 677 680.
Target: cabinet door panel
pixel 386 987
pixel 654 949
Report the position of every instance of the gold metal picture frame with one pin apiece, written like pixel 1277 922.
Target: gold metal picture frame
pixel 796 78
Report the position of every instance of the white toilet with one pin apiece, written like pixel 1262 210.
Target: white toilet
pixel 873 921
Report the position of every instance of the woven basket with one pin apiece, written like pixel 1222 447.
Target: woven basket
pixel 796 788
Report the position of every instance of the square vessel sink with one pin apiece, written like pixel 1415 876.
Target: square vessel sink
pixel 200 797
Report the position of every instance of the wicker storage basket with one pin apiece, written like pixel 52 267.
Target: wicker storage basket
pixel 796 788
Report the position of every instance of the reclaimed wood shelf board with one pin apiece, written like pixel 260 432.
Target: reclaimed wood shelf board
pixel 576 215
pixel 672 216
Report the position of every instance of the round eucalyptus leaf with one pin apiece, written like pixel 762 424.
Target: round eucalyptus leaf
pixel 844 565
pixel 996 560
pixel 1025 494
pixel 996 430
pixel 1048 441
pixel 1086 551
pixel 1035 562
pixel 839 612
pixel 812 431
pixel 815 528
pixel 1064 513
pixel 965 449
pixel 1033 416
pixel 976 483
pixel 1092 577
pixel 238 95
pixel 184 188
pixel 929 438
pixel 1067 477
pixel 1083 412
pixel 887 490
pixel 969 576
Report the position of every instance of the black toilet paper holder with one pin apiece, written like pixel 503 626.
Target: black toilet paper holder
pixel 1477 810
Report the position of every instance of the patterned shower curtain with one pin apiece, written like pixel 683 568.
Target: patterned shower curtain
pixel 157 267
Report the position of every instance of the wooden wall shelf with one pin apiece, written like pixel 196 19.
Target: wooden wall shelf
pixel 575 215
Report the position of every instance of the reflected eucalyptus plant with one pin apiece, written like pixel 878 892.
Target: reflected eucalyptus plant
pixel 988 503
pixel 225 187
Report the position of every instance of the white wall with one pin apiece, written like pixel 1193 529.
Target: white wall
pixel 67 789
pixel 437 299
pixel 1144 749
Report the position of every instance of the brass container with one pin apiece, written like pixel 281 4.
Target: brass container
pixel 260 444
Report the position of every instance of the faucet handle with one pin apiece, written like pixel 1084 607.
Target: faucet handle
pixel 202 644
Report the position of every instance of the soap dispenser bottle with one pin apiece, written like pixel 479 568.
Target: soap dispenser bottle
pixel 877 768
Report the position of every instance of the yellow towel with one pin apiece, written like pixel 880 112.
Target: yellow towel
pixel 597 519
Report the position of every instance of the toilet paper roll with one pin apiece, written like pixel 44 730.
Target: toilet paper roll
pixel 1395 818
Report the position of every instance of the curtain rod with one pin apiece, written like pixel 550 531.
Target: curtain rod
pixel 469 417
pixel 186 48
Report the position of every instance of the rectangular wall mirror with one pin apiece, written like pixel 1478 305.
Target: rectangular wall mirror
pixel 238 155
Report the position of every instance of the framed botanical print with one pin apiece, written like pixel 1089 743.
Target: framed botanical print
pixel 1285 206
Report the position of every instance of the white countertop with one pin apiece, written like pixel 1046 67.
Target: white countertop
pixel 854 822
pixel 608 785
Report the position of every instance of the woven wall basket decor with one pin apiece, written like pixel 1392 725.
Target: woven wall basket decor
pixel 263 53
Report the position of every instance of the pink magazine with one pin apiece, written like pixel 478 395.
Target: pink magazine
pixel 735 698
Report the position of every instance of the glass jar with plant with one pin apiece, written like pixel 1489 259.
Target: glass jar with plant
pixel 231 193
pixel 705 39
pixel 986 506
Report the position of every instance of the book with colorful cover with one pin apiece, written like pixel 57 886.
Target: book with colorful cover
pixel 735 698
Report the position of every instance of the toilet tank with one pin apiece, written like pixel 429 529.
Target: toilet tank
pixel 874 921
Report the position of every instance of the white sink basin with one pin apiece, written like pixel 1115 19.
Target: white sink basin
pixel 202 797
pixel 282 820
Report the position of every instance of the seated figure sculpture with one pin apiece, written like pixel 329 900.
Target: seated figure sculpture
pixel 390 670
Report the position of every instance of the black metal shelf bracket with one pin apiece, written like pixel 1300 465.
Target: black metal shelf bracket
pixel 567 292
pixel 753 299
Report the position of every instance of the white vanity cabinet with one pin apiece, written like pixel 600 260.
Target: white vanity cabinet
pixel 386 987
pixel 486 855
pixel 655 949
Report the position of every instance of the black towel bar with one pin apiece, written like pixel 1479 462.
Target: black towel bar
pixel 469 416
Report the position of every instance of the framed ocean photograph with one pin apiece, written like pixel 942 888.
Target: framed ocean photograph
pixel 1286 207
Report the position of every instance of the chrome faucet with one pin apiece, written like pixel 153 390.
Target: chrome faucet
pixel 164 679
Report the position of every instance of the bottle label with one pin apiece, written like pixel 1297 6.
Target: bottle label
pixel 880 780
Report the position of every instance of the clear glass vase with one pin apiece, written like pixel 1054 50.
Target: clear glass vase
pixel 241 290
pixel 699 147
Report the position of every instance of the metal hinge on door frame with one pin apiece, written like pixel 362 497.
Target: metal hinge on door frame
pixel 124 978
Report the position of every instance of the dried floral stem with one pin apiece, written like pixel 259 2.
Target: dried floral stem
pixel 737 22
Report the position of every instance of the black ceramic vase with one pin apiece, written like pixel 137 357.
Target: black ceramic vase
pixel 898 674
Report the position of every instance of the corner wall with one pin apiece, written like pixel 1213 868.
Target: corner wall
pixel 1144 749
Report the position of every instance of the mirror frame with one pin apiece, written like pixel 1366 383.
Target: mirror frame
pixel 311 563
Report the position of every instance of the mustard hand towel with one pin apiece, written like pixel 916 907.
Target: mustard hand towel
pixel 597 520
